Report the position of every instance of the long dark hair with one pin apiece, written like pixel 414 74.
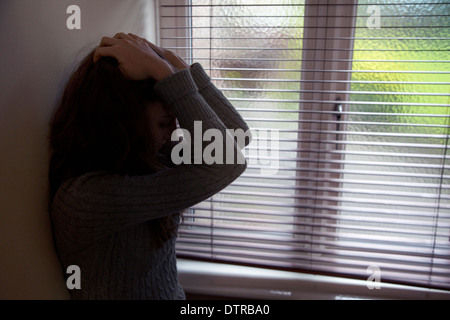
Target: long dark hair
pixel 100 124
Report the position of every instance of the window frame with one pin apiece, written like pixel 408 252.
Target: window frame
pixel 228 281
pixel 318 92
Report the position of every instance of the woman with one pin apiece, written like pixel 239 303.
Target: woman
pixel 115 196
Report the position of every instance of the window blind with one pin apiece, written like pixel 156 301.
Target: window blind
pixel 349 106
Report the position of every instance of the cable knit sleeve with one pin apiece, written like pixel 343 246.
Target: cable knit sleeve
pixel 220 104
pixel 99 203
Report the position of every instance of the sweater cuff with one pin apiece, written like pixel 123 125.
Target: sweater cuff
pixel 200 77
pixel 180 92
pixel 175 87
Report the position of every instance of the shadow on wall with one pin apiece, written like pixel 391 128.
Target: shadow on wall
pixel 38 51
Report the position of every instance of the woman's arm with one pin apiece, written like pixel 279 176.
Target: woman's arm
pixel 221 106
pixel 98 203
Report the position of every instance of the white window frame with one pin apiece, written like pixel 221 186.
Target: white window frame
pixel 205 279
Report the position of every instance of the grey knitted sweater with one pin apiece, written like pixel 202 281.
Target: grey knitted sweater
pixel 99 219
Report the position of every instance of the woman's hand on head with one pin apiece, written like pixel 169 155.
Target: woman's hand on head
pixel 176 61
pixel 137 59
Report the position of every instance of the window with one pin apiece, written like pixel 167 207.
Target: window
pixel 348 102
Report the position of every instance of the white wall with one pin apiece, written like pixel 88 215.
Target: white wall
pixel 37 51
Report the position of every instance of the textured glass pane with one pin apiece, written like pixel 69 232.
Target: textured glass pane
pixel 400 108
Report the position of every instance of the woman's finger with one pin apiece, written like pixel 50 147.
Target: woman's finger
pixel 171 57
pixel 104 52
pixel 132 35
pixel 135 37
pixel 106 41
pixel 159 51
pixel 122 35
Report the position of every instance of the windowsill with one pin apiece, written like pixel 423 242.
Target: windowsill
pixel 223 280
